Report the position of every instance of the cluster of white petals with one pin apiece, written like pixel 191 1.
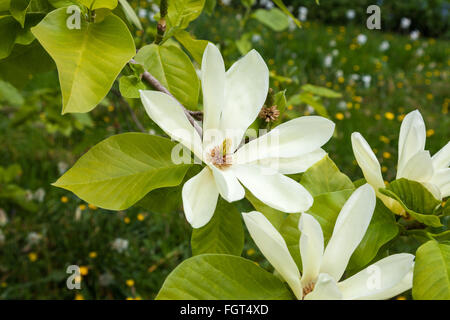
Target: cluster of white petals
pixel 232 101
pixel 323 268
pixel 414 162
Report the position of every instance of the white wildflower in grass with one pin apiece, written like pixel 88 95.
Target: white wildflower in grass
pixel 414 35
pixel 342 105
pixel 405 23
pixel 414 162
pixel 384 46
pixel 232 101
pixel 62 167
pixel 361 39
pixel 354 77
pixel 323 267
pixel 350 14
pixel 39 195
pixel 120 245
pixel 256 37
pixel 335 52
pixel 339 73
pixel 328 61
pixel 3 218
pixel 142 13
pixel 226 2
pixel 420 53
pixel 33 238
pixel 332 43
pixel 302 13
pixel 366 79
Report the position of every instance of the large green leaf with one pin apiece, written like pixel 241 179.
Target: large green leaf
pixel 418 202
pixel 173 68
pixel 119 171
pixel 273 18
pixel 9 28
pixel 23 62
pixel 19 9
pixel 182 12
pixel 130 14
pixel 129 86
pixel 88 59
pixel 222 277
pixel 291 234
pixel 282 6
pixel 224 233
pixel 382 228
pixel 321 91
pixel 193 46
pixel 432 272
pixel 323 177
pixel 98 4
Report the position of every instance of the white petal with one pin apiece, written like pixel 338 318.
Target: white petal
pixel 170 117
pixel 418 168
pixel 228 185
pixel 311 247
pixel 441 159
pixel 382 280
pixel 200 198
pixel 371 169
pixel 274 189
pixel 349 230
pixel 412 139
pixel 274 248
pixel 213 87
pixel 441 180
pixel 292 165
pixel 325 289
pixel 290 139
pixel 367 161
pixel 246 88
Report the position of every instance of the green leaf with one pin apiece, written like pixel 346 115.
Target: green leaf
pixel 98 52
pixel 173 68
pixel 182 12
pixel 281 5
pixel 129 86
pixel 222 277
pixel 24 35
pixel 323 177
pixel 24 62
pixel 61 3
pixel 4 5
pixel 210 5
pixel 273 18
pixel 167 200
pixel 244 44
pixel 193 46
pixel 432 272
pixel 314 102
pixel 382 228
pixel 9 94
pixel 224 233
pixel 321 91
pixel 119 171
pixel 130 14
pixel 19 9
pixel 9 29
pixel 418 202
pixel 291 234
pixel 98 4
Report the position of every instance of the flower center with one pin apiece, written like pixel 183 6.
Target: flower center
pixel 308 288
pixel 220 155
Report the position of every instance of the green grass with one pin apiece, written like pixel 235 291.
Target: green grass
pixel 37 138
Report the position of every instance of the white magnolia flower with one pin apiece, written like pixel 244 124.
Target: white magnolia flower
pixel 405 23
pixel 323 267
pixel 384 45
pixel 350 14
pixel 232 100
pixel 414 35
pixel 414 162
pixel 361 39
pixel 120 245
pixel 302 13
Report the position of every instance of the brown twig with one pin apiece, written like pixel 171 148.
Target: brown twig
pixel 150 79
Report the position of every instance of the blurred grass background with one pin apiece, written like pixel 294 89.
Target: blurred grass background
pixel 128 254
